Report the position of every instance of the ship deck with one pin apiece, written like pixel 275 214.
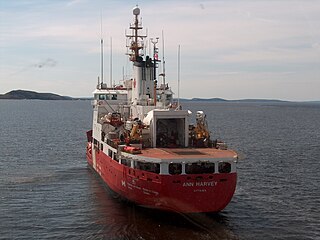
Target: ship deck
pixel 190 153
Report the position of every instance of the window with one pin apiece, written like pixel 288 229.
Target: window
pixel 103 135
pixel 114 97
pixel 102 97
pixel 149 167
pixel 110 153
pixel 224 167
pixel 175 168
pixel 96 144
pixel 126 162
pixel 199 168
pixel 115 156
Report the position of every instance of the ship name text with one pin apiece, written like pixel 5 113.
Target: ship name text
pixel 199 184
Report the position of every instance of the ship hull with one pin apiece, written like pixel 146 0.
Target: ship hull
pixel 190 193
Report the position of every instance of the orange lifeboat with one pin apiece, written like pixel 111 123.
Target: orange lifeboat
pixel 132 150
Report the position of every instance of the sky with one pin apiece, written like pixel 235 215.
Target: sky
pixel 233 49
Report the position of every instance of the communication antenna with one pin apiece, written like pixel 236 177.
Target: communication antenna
pixel 146 45
pixel 163 62
pixel 163 74
pixel 122 73
pixel 111 62
pixel 101 51
pixel 155 55
pixel 179 76
pixel 149 47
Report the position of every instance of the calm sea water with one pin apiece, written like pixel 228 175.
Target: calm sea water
pixel 47 191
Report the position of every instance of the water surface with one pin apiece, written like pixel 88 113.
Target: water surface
pixel 47 191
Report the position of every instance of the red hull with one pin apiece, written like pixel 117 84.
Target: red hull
pixel 178 193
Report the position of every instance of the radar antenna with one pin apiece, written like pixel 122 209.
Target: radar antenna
pixel 135 39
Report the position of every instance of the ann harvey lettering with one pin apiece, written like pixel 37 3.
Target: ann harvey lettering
pixel 199 184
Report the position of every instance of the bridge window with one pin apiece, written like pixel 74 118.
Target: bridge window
pixel 224 167
pixel 102 97
pixel 199 168
pixel 175 168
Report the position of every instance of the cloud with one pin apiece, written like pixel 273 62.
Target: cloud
pixel 224 39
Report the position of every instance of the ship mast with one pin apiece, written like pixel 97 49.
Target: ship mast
pixel 179 76
pixel 135 43
pixel 144 80
pixel 100 80
pixel 101 53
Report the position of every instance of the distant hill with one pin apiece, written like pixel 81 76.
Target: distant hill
pixel 23 94
pixel 201 100
pixel 209 99
pixel 224 100
pixel 259 101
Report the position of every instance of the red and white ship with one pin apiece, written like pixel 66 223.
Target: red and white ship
pixel 142 146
